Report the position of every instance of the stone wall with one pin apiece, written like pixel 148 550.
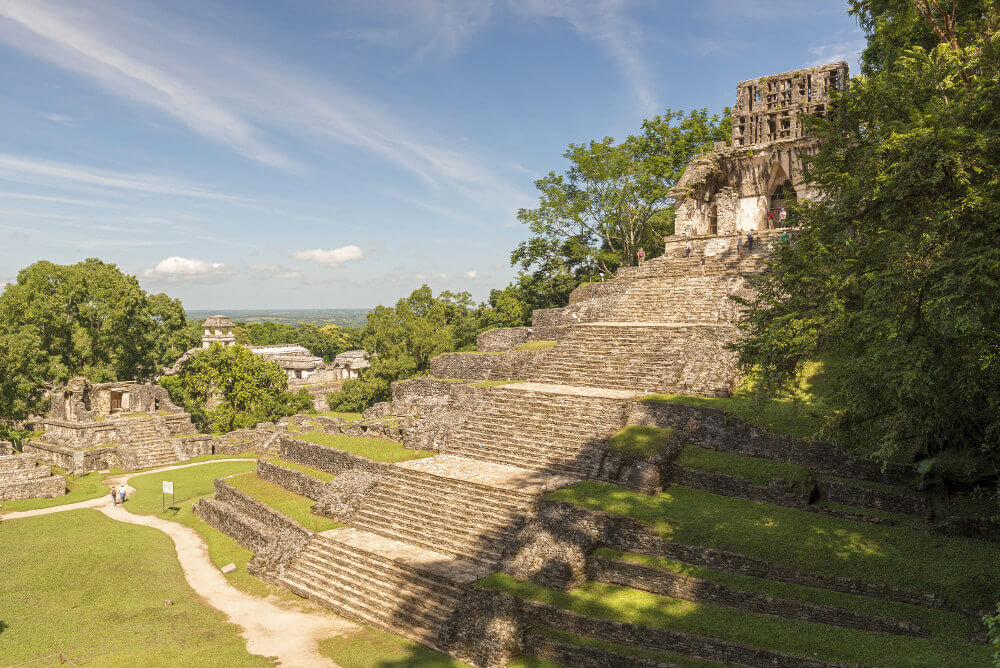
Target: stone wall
pixel 244 530
pixel 21 477
pixel 6 448
pixel 500 340
pixel 327 459
pixel 712 428
pixel 486 629
pixel 512 365
pixel 292 480
pixel 96 459
pixel 81 434
pixel 664 640
pixel 565 654
pixel 666 583
pixel 627 534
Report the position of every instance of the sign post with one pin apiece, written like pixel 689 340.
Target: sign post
pixel 168 488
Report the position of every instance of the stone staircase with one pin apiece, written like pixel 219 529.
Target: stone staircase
pixel 149 439
pixel 375 580
pixel 676 358
pixel 452 515
pixel 539 431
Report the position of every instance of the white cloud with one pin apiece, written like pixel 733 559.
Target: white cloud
pixel 61 119
pixel 848 50
pixel 176 268
pixel 431 277
pixel 333 257
pixel 472 275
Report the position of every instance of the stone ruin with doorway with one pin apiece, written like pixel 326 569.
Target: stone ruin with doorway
pixel 130 425
pixel 744 186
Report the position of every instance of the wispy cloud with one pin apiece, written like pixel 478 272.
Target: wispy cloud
pixel 188 269
pixel 333 257
pixel 607 23
pixel 20 169
pixel 61 119
pixel 232 94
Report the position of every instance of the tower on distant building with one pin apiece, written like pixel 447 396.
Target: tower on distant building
pixel 218 329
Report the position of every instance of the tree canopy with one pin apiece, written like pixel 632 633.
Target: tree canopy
pixel 85 319
pixel 404 338
pixel 612 200
pixel 230 387
pixel 326 341
pixel 896 269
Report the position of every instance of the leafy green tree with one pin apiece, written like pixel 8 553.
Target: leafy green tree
pixel 404 338
pixel 22 366
pixel 613 199
pixel 896 270
pixel 993 627
pixel 325 341
pixel 90 319
pixel 229 387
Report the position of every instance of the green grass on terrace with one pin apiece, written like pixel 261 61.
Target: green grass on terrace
pixel 83 487
pixel 296 506
pixel 84 584
pixel 638 442
pixel 802 414
pixel 347 417
pixel 373 648
pixel 496 383
pixel 308 470
pixel 537 345
pixel 794 637
pixel 938 622
pixel 376 449
pixel 962 569
pixel 190 484
pixel 755 469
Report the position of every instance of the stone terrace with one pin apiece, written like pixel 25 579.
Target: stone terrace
pixel 21 477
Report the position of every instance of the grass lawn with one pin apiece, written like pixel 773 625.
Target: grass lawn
pixel 308 470
pixel 962 569
pixel 537 345
pixel 191 484
pixel 373 648
pixel 755 469
pixel 95 589
pixel 296 506
pixel 347 417
pixel 376 449
pixel 83 488
pixel 495 383
pixel 795 637
pixel 802 414
pixel 637 442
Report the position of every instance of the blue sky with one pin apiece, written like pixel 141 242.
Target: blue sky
pixel 320 154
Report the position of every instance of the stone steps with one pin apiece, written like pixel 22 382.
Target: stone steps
pixel 373 589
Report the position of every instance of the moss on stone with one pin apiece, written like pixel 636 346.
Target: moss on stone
pixel 638 442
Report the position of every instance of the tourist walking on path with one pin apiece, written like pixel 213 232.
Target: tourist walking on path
pixel 687 249
pixel 114 495
pixel 750 241
pixel 121 493
pixel 641 254
pixel 739 245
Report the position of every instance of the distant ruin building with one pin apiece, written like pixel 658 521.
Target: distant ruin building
pixel 746 186
pixel 130 425
pixel 218 329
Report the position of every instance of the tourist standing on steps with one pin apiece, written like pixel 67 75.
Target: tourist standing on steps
pixel 687 249
pixel 750 241
pixel 739 244
pixel 641 254
pixel 702 264
pixel 783 216
pixel 770 219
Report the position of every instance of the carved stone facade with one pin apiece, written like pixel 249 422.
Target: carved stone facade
pixel 218 329
pixel 748 184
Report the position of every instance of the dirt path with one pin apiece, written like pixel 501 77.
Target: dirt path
pixel 291 636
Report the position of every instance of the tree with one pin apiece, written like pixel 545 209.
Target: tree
pixel 325 341
pixel 993 626
pixel 22 365
pixel 229 387
pixel 613 199
pixel 896 269
pixel 403 339
pixel 90 319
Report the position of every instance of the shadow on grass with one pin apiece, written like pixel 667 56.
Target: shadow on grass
pixel 3 626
